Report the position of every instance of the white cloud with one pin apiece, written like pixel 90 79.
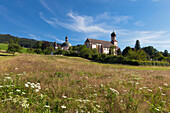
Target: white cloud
pixel 77 23
pixel 158 39
pixel 54 37
pixel 114 19
pixel 34 36
pixel 46 6
pixel 139 23
pixel 88 26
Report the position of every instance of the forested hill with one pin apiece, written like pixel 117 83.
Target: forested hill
pixel 24 42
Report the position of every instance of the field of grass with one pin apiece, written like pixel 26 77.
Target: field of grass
pixel 39 83
pixel 5 47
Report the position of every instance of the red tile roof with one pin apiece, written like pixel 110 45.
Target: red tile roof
pixel 106 44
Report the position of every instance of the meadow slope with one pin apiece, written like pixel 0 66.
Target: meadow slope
pixel 42 83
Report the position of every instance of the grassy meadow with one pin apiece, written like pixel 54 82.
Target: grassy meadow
pixel 5 47
pixel 45 83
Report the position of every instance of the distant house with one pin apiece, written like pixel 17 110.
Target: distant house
pixel 64 46
pixel 103 46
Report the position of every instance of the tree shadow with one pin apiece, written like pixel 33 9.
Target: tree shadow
pixel 5 55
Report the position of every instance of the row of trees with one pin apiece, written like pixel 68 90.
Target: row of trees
pixel 136 53
pixel 145 53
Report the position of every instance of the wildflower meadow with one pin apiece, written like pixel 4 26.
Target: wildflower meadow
pixel 49 84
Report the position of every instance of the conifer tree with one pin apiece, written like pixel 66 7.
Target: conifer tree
pixel 137 45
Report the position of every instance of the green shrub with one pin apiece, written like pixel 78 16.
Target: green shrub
pixel 96 57
pixel 154 63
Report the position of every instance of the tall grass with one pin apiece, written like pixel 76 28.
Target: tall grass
pixel 37 83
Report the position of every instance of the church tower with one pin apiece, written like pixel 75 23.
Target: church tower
pixel 113 39
pixel 66 39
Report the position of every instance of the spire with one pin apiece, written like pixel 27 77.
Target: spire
pixel 66 38
pixel 113 34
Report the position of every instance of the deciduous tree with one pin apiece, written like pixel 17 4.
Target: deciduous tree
pixel 14 47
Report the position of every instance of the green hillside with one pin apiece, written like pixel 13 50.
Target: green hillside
pixel 23 42
pixel 5 47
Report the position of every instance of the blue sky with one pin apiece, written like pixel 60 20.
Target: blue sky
pixel 51 20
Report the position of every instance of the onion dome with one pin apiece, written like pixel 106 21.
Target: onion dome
pixel 113 34
pixel 66 44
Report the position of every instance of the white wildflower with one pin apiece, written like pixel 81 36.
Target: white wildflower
pixel 121 101
pixel 7 86
pixel 26 85
pixel 137 83
pixel 140 88
pixel 64 96
pixel 157 109
pixel 87 77
pixel 37 90
pixel 136 78
pixel 16 68
pixel 131 82
pixel 145 87
pixel 79 100
pixel 125 90
pixel 101 85
pixel 7 99
pixel 98 106
pixel 39 87
pixel 86 100
pixel 149 90
pixel 114 90
pixel 41 95
pixel 25 105
pixel 32 86
pixel 163 101
pixel 160 88
pixel 10 93
pixel 163 94
pixel 18 90
pixel 23 93
pixel 7 77
pixel 14 100
pixel 46 106
pixel 165 84
pixel 1 86
pixel 95 94
pixel 6 74
pixel 63 107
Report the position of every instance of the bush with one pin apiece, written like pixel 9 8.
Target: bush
pixel 38 51
pixel 30 50
pixel 103 57
pixel 114 59
pixel 96 57
pixel 154 63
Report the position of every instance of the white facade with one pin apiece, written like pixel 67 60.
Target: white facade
pixel 106 50
pixel 93 46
